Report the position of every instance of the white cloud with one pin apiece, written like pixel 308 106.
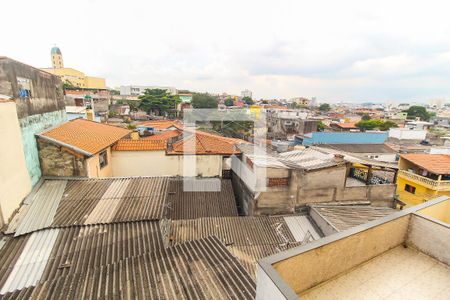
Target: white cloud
pixel 335 50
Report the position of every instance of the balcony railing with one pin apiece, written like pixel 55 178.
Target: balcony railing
pixel 427 182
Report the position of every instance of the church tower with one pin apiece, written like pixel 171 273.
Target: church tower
pixel 57 60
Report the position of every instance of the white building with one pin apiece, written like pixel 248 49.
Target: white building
pixel 246 93
pixel 407 134
pixel 137 90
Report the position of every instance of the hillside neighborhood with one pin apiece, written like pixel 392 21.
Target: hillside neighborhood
pixel 115 193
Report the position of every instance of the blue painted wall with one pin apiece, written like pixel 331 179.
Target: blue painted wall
pixel 344 138
pixel 30 126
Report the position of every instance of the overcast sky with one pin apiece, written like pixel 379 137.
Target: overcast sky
pixel 334 50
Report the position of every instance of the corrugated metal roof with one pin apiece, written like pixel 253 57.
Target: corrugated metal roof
pixel 300 226
pixel 249 238
pixel 343 217
pixel 43 207
pixel 201 269
pixel 96 201
pixel 76 249
pixel 190 205
pixel 30 265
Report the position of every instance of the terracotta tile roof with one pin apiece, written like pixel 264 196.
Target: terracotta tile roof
pixel 206 143
pixel 85 136
pixel 162 124
pixel 140 145
pixel 435 163
pixel 164 135
pixel 348 125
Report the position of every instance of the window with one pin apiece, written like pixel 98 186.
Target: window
pixel 410 189
pixel 25 87
pixel 103 159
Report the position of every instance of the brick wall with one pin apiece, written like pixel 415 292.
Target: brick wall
pixel 278 182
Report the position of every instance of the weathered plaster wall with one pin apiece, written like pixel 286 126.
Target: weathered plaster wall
pixel 93 166
pixel 30 126
pixel 45 108
pixel 47 92
pixel 59 161
pixel 15 183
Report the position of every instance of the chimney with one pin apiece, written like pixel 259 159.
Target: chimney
pixel 134 135
pixel 338 158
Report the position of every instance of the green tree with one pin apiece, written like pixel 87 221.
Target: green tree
pixel 229 102
pixel 324 107
pixel 387 125
pixel 158 101
pixel 320 126
pixel 418 111
pixel 247 100
pixel 204 101
pixel 375 124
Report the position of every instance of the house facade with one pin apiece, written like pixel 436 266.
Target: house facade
pixel 79 148
pixel 422 177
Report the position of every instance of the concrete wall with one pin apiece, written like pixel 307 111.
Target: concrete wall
pixel 407 134
pixel 59 161
pixel 265 288
pixel 44 109
pixel 30 126
pixel 430 237
pixel 320 264
pixel 15 183
pixel 157 163
pixel 93 166
pixel 440 211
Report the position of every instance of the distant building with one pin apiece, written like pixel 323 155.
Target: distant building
pixel 72 76
pixel 32 101
pixel 342 138
pixel 137 90
pixel 301 101
pixel 246 93
pixel 346 126
pixel 273 183
pixel 405 134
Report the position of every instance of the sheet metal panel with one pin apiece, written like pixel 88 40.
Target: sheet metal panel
pixel 30 265
pixel 201 269
pixel 299 226
pixel 200 204
pixel 43 207
pixel 106 208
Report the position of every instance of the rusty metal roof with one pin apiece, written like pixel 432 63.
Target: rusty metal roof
pixel 201 269
pixel 207 203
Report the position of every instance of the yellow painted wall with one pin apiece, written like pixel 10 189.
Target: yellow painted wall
pixel 78 78
pixel 421 195
pixel 157 163
pixel 93 166
pixel 440 211
pixel 15 182
pixel 95 83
